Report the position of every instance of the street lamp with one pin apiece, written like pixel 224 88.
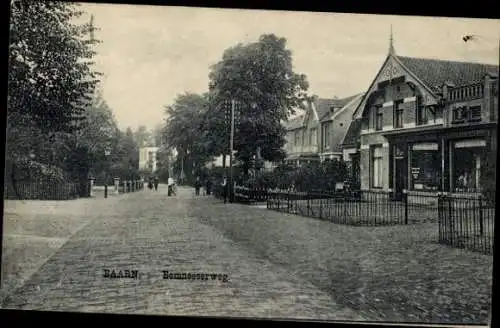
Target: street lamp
pixel 107 152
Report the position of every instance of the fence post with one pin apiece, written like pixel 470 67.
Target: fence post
pixel 405 200
pixel 288 201
pixel 321 207
pixel 450 218
pixel 308 202
pixel 481 223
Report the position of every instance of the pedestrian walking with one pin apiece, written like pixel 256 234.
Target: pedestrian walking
pixel 150 184
pixel 209 185
pixel 197 186
pixel 156 181
pixel 170 186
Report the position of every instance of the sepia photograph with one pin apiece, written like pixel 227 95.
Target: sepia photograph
pixel 243 163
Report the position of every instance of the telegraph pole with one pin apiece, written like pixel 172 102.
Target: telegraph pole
pixel 231 145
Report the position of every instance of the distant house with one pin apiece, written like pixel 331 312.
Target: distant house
pixel 317 134
pixel 335 119
pixel 350 150
pixel 426 125
pixel 303 136
pixel 147 158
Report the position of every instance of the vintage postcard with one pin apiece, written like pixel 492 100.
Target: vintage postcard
pixel 249 163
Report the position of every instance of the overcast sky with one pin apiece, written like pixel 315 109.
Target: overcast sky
pixel 149 54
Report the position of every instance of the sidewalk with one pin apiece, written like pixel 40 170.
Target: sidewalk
pixel 34 230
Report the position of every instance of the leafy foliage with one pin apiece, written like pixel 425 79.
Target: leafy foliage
pixel 50 76
pixel 185 131
pixel 50 82
pixel 309 177
pixel 260 77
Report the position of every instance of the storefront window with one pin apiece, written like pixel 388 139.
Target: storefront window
pixel 425 167
pixel 467 160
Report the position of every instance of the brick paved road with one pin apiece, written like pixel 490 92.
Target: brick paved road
pixel 150 232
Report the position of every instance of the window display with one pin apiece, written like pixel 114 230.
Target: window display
pixel 425 167
pixel 467 159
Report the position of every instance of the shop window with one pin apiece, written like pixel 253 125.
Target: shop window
pixel 376 167
pixel 467 160
pixel 425 167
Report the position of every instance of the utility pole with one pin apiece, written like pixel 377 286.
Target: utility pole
pixel 231 145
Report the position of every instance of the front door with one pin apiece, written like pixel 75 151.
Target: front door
pixel 400 171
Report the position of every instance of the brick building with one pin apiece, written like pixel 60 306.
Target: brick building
pixel 426 124
pixel 317 134
pixel 335 123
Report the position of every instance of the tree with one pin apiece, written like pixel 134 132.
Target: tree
pixel 50 81
pixel 128 150
pixel 84 152
pixel 185 131
pixel 157 134
pixel 50 68
pixel 143 137
pixel 260 77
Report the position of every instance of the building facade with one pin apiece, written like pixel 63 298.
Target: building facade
pixel 148 159
pixel 317 134
pixel 335 123
pixel 426 125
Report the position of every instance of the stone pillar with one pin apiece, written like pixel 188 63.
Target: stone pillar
pixel 385 166
pixel 116 180
pixel 91 187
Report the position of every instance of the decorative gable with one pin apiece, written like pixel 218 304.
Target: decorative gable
pixel 390 71
pixel 311 115
pixel 393 69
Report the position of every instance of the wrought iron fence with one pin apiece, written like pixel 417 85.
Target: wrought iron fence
pixel 467 222
pixel 41 191
pixel 250 195
pixel 346 207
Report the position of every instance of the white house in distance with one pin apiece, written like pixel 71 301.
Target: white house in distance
pixel 147 158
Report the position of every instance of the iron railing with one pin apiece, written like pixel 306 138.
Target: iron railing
pixel 467 222
pixel 41 191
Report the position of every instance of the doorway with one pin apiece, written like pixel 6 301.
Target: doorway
pixel 400 171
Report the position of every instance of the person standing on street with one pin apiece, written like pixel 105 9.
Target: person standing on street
pixel 156 181
pixel 209 185
pixel 197 186
pixel 170 186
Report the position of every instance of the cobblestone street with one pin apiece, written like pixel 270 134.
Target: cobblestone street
pixel 68 245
